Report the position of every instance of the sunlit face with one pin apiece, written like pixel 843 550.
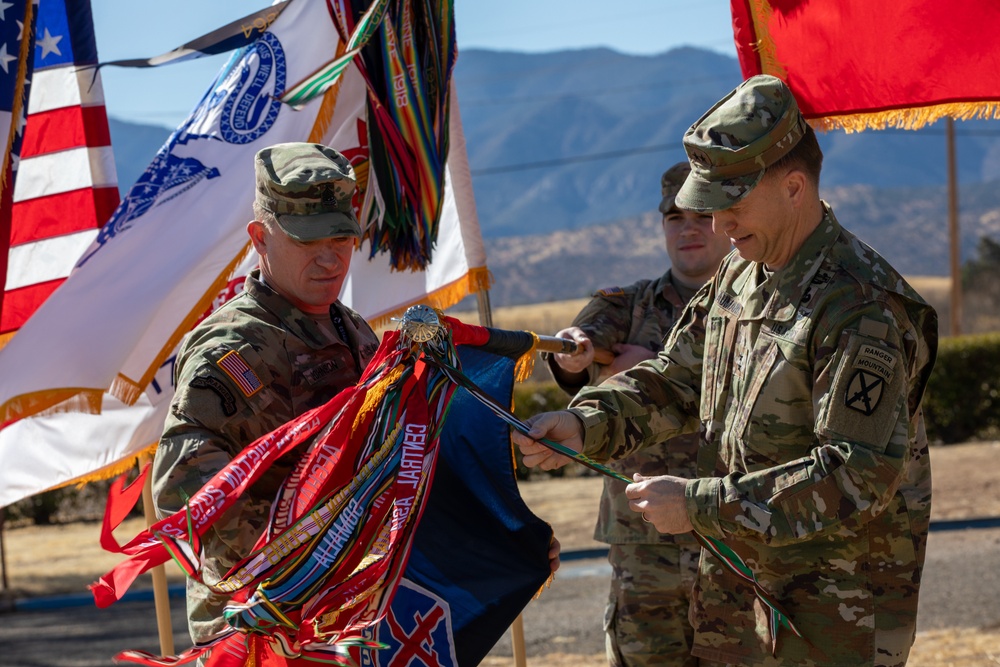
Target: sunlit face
pixel 760 226
pixel 309 274
pixel 695 250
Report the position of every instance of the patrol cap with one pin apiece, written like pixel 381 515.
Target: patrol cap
pixel 308 188
pixel 730 147
pixel 670 183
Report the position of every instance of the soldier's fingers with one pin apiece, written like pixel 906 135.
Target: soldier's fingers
pixel 640 505
pixel 636 488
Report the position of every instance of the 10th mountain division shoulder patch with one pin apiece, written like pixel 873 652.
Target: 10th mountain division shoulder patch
pixel 873 368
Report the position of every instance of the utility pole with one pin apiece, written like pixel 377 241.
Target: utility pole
pixel 954 236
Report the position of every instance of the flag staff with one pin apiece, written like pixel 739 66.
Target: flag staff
pixel 161 596
pixel 517 627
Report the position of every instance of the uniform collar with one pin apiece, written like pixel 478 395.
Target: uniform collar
pixel 665 287
pixel 789 284
pixel 297 322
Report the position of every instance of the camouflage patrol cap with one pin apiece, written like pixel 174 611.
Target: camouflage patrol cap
pixel 732 145
pixel 670 183
pixel 308 188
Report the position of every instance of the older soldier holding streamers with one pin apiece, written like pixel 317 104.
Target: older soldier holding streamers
pixel 803 364
pixel 646 620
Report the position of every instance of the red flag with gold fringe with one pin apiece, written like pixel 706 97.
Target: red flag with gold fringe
pixel 857 64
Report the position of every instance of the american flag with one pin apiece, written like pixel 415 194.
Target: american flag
pixel 62 186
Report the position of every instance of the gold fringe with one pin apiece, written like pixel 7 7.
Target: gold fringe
pixel 52 401
pixel 476 280
pixel 375 395
pixel 760 14
pixel 329 105
pixel 912 118
pixel 125 389
pixel 5 338
pixel 113 470
pixel 526 364
pixel 128 390
pixel 908 119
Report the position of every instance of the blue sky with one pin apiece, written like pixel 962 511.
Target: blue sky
pixel 164 95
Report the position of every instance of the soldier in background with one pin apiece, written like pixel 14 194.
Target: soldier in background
pixel 803 362
pixel 282 347
pixel 646 620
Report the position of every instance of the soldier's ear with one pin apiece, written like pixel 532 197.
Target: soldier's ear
pixel 258 236
pixel 794 184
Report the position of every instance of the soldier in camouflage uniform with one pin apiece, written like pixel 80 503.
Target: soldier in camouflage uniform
pixel 803 363
pixel 646 620
pixel 282 347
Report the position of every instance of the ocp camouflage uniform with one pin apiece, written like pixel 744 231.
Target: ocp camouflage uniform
pixel 289 363
pixel 646 620
pixel 814 468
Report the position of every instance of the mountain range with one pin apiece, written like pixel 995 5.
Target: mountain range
pixel 566 150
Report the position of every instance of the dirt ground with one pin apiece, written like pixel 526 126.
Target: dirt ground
pixel 65 558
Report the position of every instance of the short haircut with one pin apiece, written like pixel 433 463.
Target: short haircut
pixel 265 217
pixel 806 155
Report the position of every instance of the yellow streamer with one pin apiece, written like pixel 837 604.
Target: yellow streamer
pixel 375 395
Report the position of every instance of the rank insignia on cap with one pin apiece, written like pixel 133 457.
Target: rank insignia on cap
pixel 241 373
pixel 864 392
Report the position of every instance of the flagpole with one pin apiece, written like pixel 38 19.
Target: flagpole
pixel 161 596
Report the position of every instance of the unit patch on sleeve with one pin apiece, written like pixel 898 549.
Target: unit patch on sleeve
pixel 221 390
pixel 241 373
pixel 873 368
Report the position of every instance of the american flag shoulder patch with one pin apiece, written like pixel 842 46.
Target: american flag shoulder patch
pixel 239 370
pixel 610 292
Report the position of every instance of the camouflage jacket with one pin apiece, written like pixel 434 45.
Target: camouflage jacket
pixel 807 384
pixel 286 364
pixel 640 314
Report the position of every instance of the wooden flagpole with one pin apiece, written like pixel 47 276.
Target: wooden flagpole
pixel 517 627
pixel 161 596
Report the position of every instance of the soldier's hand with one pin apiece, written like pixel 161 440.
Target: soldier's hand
pixel 554 549
pixel 563 427
pixel 627 356
pixel 661 502
pixel 584 356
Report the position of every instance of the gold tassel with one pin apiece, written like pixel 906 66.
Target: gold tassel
pixel 525 366
pixel 376 394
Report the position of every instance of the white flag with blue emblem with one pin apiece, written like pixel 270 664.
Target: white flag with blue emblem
pixel 176 246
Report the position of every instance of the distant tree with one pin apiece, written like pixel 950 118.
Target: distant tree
pixel 981 288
